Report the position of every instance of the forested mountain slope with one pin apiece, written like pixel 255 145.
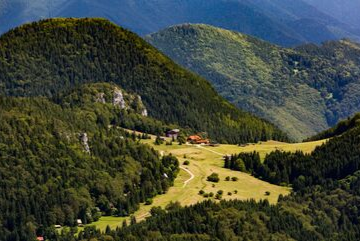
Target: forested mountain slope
pixel 63 162
pixel 304 90
pixel 50 56
pixel 284 22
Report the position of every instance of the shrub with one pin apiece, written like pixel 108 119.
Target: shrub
pixel 218 196
pixel 206 195
pixel 227 178
pixel 235 191
pixel 211 194
pixel 234 179
pixel 186 163
pixel 229 193
pixel 149 201
pixel 220 192
pixel 201 192
pixel 214 177
pixel 267 193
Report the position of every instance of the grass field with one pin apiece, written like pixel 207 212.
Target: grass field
pixel 205 160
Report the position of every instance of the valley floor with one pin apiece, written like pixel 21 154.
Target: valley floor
pixel 205 160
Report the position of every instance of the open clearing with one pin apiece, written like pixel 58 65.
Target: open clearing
pixel 205 160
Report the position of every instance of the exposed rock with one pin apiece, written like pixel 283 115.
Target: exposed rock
pixel 100 97
pixel 144 112
pixel 119 99
pixel 85 142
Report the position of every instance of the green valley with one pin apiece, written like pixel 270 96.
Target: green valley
pixel 204 160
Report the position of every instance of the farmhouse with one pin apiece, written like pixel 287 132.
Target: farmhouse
pixel 173 133
pixel 197 140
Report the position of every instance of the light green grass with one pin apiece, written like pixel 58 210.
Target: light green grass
pixel 205 160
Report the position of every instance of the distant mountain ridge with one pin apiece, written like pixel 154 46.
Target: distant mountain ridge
pixel 284 22
pixel 304 90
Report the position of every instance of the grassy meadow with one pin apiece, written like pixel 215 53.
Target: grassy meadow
pixel 205 160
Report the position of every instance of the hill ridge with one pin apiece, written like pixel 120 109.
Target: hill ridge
pixel 303 90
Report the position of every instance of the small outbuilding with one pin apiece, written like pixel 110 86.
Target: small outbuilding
pixel 173 133
pixel 79 223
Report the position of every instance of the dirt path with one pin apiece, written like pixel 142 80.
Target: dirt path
pixel 190 173
pixel 215 152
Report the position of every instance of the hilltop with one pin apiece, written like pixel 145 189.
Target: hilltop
pixel 51 57
pixel 303 90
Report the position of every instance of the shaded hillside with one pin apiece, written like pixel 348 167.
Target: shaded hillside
pixel 53 56
pixel 304 90
pixel 284 22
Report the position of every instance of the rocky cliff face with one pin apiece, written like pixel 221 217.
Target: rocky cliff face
pixel 119 98
pixel 85 142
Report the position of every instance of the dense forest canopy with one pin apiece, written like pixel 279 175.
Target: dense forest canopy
pixel 50 56
pixel 59 163
pixel 303 90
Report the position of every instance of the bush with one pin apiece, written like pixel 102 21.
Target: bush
pixel 206 195
pixel 267 193
pixel 220 192
pixel 235 191
pixel 201 192
pixel 211 194
pixel 227 178
pixel 229 193
pixel 149 201
pixel 218 196
pixel 186 163
pixel 214 177
pixel 234 179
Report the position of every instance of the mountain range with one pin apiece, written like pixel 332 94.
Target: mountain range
pixel 303 90
pixel 284 22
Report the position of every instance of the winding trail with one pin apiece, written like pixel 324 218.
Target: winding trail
pixel 190 173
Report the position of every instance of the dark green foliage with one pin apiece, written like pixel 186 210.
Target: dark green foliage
pixel 340 128
pixel 52 56
pixel 214 177
pixel 186 163
pixel 304 90
pixel 244 162
pixel 50 174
